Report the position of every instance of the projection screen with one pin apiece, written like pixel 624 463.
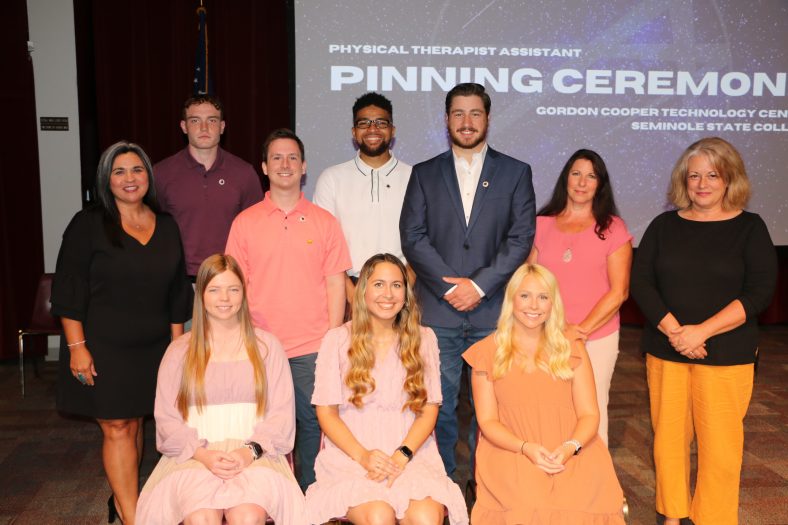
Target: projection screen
pixel 635 81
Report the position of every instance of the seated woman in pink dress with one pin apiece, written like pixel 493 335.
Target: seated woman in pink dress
pixel 377 390
pixel 538 459
pixel 225 416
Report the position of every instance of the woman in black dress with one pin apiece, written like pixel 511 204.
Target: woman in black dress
pixel 122 293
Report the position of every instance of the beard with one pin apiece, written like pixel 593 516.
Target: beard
pixel 381 148
pixel 458 140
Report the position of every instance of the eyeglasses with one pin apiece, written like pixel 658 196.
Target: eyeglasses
pixel 380 123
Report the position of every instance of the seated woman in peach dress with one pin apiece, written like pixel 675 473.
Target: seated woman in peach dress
pixel 225 417
pixel 377 390
pixel 539 459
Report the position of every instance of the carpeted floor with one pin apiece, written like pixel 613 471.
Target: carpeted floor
pixel 50 465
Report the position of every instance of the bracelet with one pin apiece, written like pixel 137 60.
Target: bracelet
pixel 575 443
pixel 522 447
pixel 77 343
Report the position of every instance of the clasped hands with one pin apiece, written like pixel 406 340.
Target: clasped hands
pixel 550 462
pixel 224 465
pixel 381 466
pixel 689 340
pixel 464 297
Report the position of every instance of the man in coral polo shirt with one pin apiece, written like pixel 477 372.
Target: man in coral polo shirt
pixel 294 257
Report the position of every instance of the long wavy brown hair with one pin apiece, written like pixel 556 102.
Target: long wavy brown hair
pixel 192 389
pixel 407 325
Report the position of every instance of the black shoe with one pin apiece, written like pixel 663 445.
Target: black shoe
pixel 112 511
pixel 682 521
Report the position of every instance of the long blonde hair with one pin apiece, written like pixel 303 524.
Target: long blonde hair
pixel 192 389
pixel 552 354
pixel 361 354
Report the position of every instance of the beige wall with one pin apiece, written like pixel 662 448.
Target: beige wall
pixel 51 27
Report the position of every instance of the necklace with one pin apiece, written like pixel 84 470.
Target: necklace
pixel 134 224
pixel 568 230
pixel 567 256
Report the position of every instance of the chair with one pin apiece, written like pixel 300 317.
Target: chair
pixel 41 321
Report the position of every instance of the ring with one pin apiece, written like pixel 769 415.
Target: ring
pixel 81 378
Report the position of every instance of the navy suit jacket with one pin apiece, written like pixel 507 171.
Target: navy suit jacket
pixel 496 241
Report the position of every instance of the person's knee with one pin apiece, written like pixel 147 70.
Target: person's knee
pixel 120 429
pixel 381 515
pixel 203 517
pixel 373 513
pixel 425 514
pixel 246 515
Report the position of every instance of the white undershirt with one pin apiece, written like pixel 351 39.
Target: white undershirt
pixel 468 176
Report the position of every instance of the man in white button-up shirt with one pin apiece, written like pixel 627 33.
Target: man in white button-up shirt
pixel 365 193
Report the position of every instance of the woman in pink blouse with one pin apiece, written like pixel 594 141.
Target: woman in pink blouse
pixel 225 416
pixel 583 242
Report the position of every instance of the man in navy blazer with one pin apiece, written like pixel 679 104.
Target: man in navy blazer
pixel 467 223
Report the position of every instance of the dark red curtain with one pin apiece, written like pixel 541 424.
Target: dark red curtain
pixel 21 238
pixel 136 65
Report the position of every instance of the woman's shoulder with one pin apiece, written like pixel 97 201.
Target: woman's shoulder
pixel 427 333
pixel 176 350
pixel 271 344
pixel 87 217
pixel 484 348
pixel 667 216
pixel 340 333
pixel 617 223
pixel 616 232
pixel 166 220
pixel 265 336
pixel 336 340
pixel 752 218
pixel 545 221
pixel 667 219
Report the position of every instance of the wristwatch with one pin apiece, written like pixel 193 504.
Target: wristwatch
pixel 408 453
pixel 255 448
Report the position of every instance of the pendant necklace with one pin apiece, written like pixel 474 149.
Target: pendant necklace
pixel 567 257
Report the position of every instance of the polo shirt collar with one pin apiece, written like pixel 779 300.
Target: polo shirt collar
pixel 193 163
pixel 366 169
pixel 302 206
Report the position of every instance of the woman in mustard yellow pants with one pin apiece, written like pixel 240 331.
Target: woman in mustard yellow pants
pixel 701 275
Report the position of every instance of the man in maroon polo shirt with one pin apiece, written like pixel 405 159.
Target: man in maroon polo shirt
pixel 203 186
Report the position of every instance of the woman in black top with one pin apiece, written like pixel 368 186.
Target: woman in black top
pixel 701 275
pixel 121 291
